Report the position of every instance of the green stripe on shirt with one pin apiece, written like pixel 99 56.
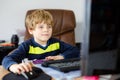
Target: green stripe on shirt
pixel 38 50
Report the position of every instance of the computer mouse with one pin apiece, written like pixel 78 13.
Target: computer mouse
pixel 35 74
pixel 32 74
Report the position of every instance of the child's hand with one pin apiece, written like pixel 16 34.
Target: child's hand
pixel 19 68
pixel 54 57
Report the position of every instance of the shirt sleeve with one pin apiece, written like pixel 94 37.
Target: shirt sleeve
pixel 14 57
pixel 69 51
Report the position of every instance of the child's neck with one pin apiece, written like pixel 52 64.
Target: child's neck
pixel 43 43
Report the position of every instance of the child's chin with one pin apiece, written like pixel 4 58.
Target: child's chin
pixel 45 39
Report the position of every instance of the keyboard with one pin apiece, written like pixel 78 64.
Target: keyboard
pixel 64 65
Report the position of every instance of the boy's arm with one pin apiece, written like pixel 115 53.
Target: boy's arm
pixel 15 57
pixel 58 57
pixel 69 51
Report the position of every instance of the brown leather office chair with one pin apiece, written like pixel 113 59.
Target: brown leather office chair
pixel 64 26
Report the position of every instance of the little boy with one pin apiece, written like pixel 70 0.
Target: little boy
pixel 40 46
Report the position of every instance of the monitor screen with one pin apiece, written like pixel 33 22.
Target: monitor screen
pixel 100 47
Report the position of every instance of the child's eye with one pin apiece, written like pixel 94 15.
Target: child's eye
pixel 49 26
pixel 40 26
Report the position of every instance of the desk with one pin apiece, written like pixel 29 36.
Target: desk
pixel 54 73
pixel 59 75
pixel 3 72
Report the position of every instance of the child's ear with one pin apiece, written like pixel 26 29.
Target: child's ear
pixel 30 30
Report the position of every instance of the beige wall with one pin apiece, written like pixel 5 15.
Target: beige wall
pixel 12 14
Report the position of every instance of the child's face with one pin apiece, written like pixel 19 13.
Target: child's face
pixel 41 33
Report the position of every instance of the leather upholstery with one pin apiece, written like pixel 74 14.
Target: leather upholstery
pixel 64 26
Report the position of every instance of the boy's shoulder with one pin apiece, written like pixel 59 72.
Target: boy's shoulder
pixel 29 41
pixel 52 39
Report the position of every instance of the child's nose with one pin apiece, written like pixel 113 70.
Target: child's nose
pixel 46 29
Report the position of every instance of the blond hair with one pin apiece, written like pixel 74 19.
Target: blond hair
pixel 38 16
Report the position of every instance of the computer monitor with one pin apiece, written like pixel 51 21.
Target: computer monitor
pixel 100 50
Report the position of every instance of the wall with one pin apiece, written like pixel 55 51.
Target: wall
pixel 12 14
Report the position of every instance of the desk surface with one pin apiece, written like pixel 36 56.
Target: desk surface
pixel 54 73
pixel 109 77
pixel 3 72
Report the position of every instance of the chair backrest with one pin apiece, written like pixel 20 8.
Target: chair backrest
pixel 64 26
